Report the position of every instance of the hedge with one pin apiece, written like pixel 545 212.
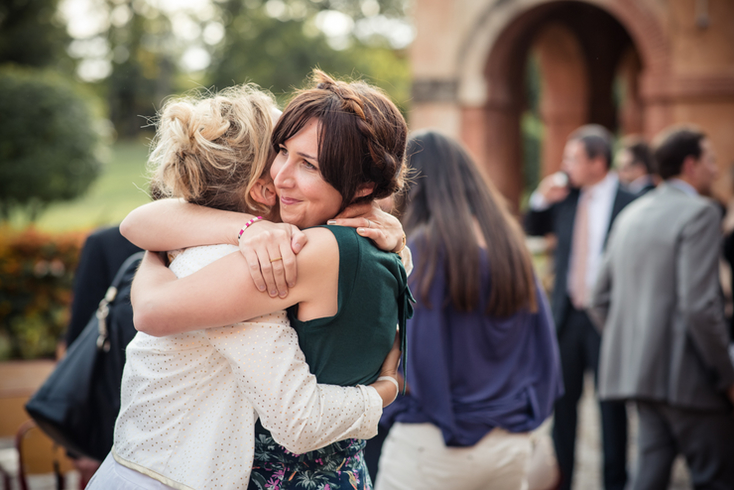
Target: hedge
pixel 36 277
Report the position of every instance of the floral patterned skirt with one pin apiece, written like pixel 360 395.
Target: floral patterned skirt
pixel 338 466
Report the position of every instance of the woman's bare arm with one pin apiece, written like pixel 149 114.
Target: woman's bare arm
pixel 373 223
pixel 223 293
pixel 381 227
pixel 170 224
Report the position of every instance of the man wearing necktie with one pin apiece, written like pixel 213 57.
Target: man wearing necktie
pixel 580 214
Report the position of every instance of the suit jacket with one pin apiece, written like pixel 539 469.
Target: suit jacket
pixel 641 186
pixel 659 301
pixel 559 220
pixel 103 253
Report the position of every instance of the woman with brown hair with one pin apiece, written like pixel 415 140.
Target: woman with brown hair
pixel 483 367
pixel 338 144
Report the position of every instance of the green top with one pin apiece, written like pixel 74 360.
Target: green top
pixel 349 348
pixel 373 299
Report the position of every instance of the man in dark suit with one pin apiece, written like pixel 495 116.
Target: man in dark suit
pixel 665 342
pixel 103 253
pixel 580 216
pixel 635 166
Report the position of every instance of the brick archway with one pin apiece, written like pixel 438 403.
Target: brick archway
pixel 491 70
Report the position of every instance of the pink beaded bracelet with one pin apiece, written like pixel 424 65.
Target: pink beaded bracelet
pixel 257 218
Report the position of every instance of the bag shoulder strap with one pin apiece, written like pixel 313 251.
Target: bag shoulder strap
pixel 103 309
pixel 121 273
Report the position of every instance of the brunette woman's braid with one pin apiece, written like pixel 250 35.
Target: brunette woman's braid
pixel 359 98
pixel 362 136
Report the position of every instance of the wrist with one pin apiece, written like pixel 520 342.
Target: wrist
pixel 247 225
pixel 401 244
pixel 393 384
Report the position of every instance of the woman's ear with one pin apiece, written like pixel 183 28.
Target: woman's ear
pixel 365 189
pixel 264 191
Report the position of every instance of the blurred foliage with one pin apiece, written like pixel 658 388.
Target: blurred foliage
pixel 122 186
pixel 36 274
pixel 532 83
pixel 141 51
pixel 50 140
pixel 277 52
pixel 356 9
pixel 33 34
pixel 279 55
pixel 531 127
pixel 135 58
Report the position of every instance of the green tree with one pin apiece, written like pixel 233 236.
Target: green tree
pixel 142 53
pixel 50 141
pixel 278 53
pixel 32 34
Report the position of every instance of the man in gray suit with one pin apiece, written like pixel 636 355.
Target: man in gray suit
pixel 665 342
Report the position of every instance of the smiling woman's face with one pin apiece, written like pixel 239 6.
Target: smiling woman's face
pixel 306 199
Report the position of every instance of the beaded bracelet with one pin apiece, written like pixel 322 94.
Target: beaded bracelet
pixel 257 218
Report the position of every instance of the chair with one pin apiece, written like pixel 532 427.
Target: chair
pixel 37 454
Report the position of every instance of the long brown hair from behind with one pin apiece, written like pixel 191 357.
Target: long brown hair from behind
pixel 447 196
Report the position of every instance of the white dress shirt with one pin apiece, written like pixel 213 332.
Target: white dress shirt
pixel 601 201
pixel 189 401
pixel 636 186
pixel 683 186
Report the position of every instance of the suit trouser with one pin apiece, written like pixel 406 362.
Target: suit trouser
pixel 705 438
pixel 579 344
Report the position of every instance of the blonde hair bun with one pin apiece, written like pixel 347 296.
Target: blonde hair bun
pixel 210 149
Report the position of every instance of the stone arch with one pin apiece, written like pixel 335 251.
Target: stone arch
pixel 501 19
pixel 491 68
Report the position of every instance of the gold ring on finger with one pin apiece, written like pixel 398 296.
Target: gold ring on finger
pixel 369 223
pixel 275 260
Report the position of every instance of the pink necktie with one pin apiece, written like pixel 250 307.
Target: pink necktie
pixel 579 253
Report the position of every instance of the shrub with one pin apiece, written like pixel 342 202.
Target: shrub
pixel 36 275
pixel 50 140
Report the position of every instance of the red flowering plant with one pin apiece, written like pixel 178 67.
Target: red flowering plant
pixel 36 276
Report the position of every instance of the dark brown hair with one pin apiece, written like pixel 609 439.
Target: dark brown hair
pixel 640 151
pixel 597 141
pixel 362 135
pixel 672 147
pixel 447 195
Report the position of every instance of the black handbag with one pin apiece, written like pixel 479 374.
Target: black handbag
pixel 79 402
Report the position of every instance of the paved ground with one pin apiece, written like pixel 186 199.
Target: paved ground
pixel 588 449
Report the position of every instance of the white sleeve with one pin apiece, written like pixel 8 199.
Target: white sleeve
pixel 406 257
pixel 300 414
pixel 538 202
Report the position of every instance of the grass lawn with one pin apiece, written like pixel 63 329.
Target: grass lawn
pixel 121 187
